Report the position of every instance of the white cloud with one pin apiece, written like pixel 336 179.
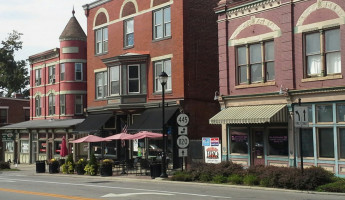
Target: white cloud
pixel 40 21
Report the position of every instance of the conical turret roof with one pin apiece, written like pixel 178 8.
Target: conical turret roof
pixel 73 30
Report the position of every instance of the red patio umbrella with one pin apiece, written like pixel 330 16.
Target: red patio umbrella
pixel 145 134
pixel 63 151
pixel 120 136
pixel 90 138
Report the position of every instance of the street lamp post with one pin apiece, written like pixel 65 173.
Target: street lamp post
pixel 163 77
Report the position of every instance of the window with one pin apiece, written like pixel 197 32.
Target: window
pixel 51 77
pixel 51 104
pixel 78 71
pixel 324 113
pixel 38 106
pixel 278 142
pixel 57 145
pixel 317 44
pixel 164 65
pixel 38 77
pixel 261 63
pixel 62 72
pixel 341 113
pixel 62 104
pixel 129 33
pixel 326 143
pixel 102 40
pixel 78 104
pixel 24 146
pixel 342 143
pixel 133 78
pixel 101 85
pixel 26 114
pixel 3 116
pixel 115 80
pixel 9 146
pixel 239 141
pixel 307 142
pixel 162 23
pixel 42 145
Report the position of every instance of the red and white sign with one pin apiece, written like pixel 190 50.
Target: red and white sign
pixel 213 154
pixel 214 141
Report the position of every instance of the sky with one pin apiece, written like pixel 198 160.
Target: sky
pixel 40 21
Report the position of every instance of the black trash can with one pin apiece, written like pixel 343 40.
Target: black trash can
pixel 155 170
pixel 40 166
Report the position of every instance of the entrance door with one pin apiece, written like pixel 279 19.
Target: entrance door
pixel 257 146
pixel 34 152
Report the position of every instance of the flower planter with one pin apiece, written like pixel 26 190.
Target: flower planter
pixel 80 169
pixel 40 166
pixel 106 170
pixel 53 168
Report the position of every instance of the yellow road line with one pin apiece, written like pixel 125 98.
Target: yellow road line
pixel 46 194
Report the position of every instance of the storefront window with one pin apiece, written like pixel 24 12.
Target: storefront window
pixel 324 113
pixel 342 142
pixel 278 142
pixel 57 147
pixel 326 143
pixel 9 146
pixel 307 142
pixel 239 141
pixel 310 114
pixel 341 113
pixel 24 146
pixel 42 147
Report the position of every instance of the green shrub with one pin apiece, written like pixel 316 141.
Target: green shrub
pixel 219 179
pixel 314 177
pixel 235 179
pixel 92 167
pixel 182 176
pixel 204 177
pixel 251 180
pixel 338 186
pixel 4 165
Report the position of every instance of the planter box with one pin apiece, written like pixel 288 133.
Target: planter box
pixel 106 170
pixel 40 166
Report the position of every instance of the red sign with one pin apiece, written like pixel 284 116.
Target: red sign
pixel 215 141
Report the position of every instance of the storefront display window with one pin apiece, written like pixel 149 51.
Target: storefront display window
pixel 326 143
pixel 342 142
pixel 341 113
pixel 9 146
pixel 278 142
pixel 57 147
pixel 239 141
pixel 307 142
pixel 24 146
pixel 42 146
pixel 324 113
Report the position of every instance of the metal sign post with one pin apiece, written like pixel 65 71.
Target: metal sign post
pixel 301 120
pixel 182 140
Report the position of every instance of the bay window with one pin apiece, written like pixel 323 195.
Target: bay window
pixel 133 78
pixel 115 80
pixel 78 71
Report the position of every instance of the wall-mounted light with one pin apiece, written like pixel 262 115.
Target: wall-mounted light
pixel 283 91
pixel 216 94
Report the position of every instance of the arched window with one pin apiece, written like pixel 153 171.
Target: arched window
pixel 101 34
pixel 38 106
pixel 51 104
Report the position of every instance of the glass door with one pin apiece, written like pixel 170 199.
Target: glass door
pixel 257 147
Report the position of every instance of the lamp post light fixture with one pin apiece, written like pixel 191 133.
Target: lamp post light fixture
pixel 163 78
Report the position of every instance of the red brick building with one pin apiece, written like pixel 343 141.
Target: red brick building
pixel 58 97
pixel 130 42
pixel 12 110
pixel 271 54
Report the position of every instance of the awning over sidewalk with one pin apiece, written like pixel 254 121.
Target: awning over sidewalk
pixel 251 115
pixel 151 119
pixel 93 122
pixel 46 123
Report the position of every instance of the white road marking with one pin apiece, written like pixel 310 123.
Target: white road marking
pixel 134 194
pixel 125 188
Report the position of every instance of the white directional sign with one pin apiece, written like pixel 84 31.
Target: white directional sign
pixel 182 141
pixel 301 116
pixel 182 130
pixel 182 153
pixel 182 119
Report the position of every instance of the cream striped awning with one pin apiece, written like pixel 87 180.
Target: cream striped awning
pixel 251 115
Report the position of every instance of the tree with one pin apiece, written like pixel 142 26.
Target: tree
pixel 13 74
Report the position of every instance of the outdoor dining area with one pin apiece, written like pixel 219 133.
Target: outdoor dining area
pixel 143 158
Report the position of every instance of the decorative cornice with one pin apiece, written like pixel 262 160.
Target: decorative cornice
pixel 95 4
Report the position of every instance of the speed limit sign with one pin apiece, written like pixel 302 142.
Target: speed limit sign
pixel 182 119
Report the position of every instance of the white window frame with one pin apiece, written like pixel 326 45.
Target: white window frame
pixel 111 79
pixel 165 21
pixel 103 84
pixel 133 79
pixel 62 104
pixel 101 43
pixel 51 76
pixel 22 144
pixel 76 104
pixel 128 33
pixel 62 71
pixel 51 104
pixel 77 65
pixel 164 65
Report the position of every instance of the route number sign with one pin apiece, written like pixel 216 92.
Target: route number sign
pixel 182 141
pixel 182 119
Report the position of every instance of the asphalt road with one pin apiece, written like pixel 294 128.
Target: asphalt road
pixel 27 185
